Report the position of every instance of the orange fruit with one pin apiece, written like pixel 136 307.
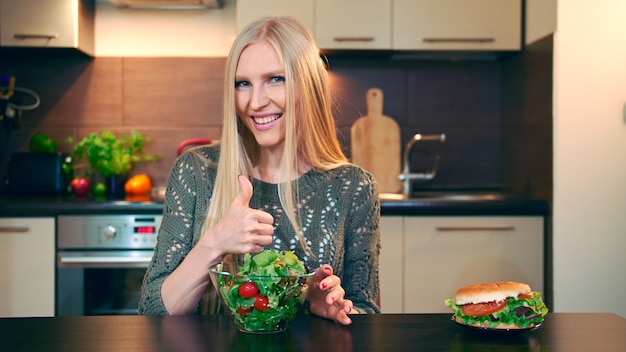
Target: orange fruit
pixel 138 184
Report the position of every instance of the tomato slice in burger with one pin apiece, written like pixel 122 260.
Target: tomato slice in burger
pixel 527 295
pixel 478 309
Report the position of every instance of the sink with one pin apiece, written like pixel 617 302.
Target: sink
pixel 444 196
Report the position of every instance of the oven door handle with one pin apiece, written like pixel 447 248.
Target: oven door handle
pixel 104 261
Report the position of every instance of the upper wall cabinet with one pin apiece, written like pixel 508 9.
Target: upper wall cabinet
pixel 457 25
pixel 247 11
pixel 438 25
pixel 346 24
pixel 353 24
pixel 48 23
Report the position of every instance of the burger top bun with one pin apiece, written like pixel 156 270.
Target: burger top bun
pixel 489 292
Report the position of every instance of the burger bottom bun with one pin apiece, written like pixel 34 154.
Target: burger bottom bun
pixel 489 292
pixel 485 325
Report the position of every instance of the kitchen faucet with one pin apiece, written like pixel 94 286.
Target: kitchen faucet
pixel 406 176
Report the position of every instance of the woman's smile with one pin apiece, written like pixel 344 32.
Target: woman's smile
pixel 264 122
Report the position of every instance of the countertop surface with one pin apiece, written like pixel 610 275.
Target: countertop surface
pixel 42 206
pixel 372 332
pixel 449 204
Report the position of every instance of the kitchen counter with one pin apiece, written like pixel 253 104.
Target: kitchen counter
pixel 372 332
pixel 450 205
pixel 71 205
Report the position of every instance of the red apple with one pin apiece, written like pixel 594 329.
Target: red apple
pixel 80 186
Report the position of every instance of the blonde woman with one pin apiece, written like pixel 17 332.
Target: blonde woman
pixel 277 179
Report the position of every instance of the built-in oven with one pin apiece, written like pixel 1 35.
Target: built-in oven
pixel 101 261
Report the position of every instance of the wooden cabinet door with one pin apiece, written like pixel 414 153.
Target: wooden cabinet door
pixel 27 267
pixel 247 11
pixel 38 23
pixel 443 254
pixel 353 24
pixel 457 25
pixel 390 270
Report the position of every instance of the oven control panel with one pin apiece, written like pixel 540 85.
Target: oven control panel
pixel 108 231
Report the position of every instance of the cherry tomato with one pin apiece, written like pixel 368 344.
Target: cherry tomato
pixel 248 289
pixel 478 309
pixel 244 311
pixel 527 295
pixel 262 303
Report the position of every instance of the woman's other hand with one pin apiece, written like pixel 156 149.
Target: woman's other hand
pixel 242 229
pixel 327 296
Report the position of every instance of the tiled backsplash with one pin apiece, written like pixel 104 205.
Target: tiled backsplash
pixel 173 99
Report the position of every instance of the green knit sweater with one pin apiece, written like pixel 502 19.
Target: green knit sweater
pixel 339 211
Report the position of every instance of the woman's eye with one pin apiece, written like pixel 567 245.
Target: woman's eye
pixel 277 79
pixel 240 84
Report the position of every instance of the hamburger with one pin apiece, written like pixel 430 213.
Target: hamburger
pixel 498 305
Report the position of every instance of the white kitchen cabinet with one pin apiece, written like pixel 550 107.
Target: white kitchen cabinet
pixel 27 265
pixel 48 23
pixel 346 24
pixel 445 253
pixel 353 24
pixel 247 11
pixel 457 25
pixel 391 264
pixel 440 25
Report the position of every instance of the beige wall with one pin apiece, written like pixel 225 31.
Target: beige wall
pixel 590 157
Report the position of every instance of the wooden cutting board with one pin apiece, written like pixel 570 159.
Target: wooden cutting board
pixel 375 144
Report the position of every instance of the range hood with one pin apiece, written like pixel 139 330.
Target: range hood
pixel 169 4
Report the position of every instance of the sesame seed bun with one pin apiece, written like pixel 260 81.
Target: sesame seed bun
pixel 489 292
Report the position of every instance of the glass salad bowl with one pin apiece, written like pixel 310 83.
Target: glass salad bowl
pixel 264 295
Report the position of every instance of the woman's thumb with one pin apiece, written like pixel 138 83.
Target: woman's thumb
pixel 245 192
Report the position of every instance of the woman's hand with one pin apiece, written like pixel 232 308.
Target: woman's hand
pixel 242 229
pixel 327 296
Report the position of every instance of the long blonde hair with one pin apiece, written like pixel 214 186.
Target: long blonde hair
pixel 310 140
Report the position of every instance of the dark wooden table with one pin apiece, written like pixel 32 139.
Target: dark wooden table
pixel 384 332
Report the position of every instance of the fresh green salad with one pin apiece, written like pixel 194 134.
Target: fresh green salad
pixel 267 291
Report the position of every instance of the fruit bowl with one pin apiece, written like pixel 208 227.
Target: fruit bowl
pixel 265 301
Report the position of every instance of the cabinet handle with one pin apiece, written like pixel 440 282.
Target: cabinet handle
pixel 458 40
pixel 35 36
pixel 4 229
pixel 353 39
pixel 476 228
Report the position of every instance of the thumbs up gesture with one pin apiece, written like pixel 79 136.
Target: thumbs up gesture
pixel 245 193
pixel 242 229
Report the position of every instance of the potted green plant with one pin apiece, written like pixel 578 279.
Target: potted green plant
pixel 109 155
